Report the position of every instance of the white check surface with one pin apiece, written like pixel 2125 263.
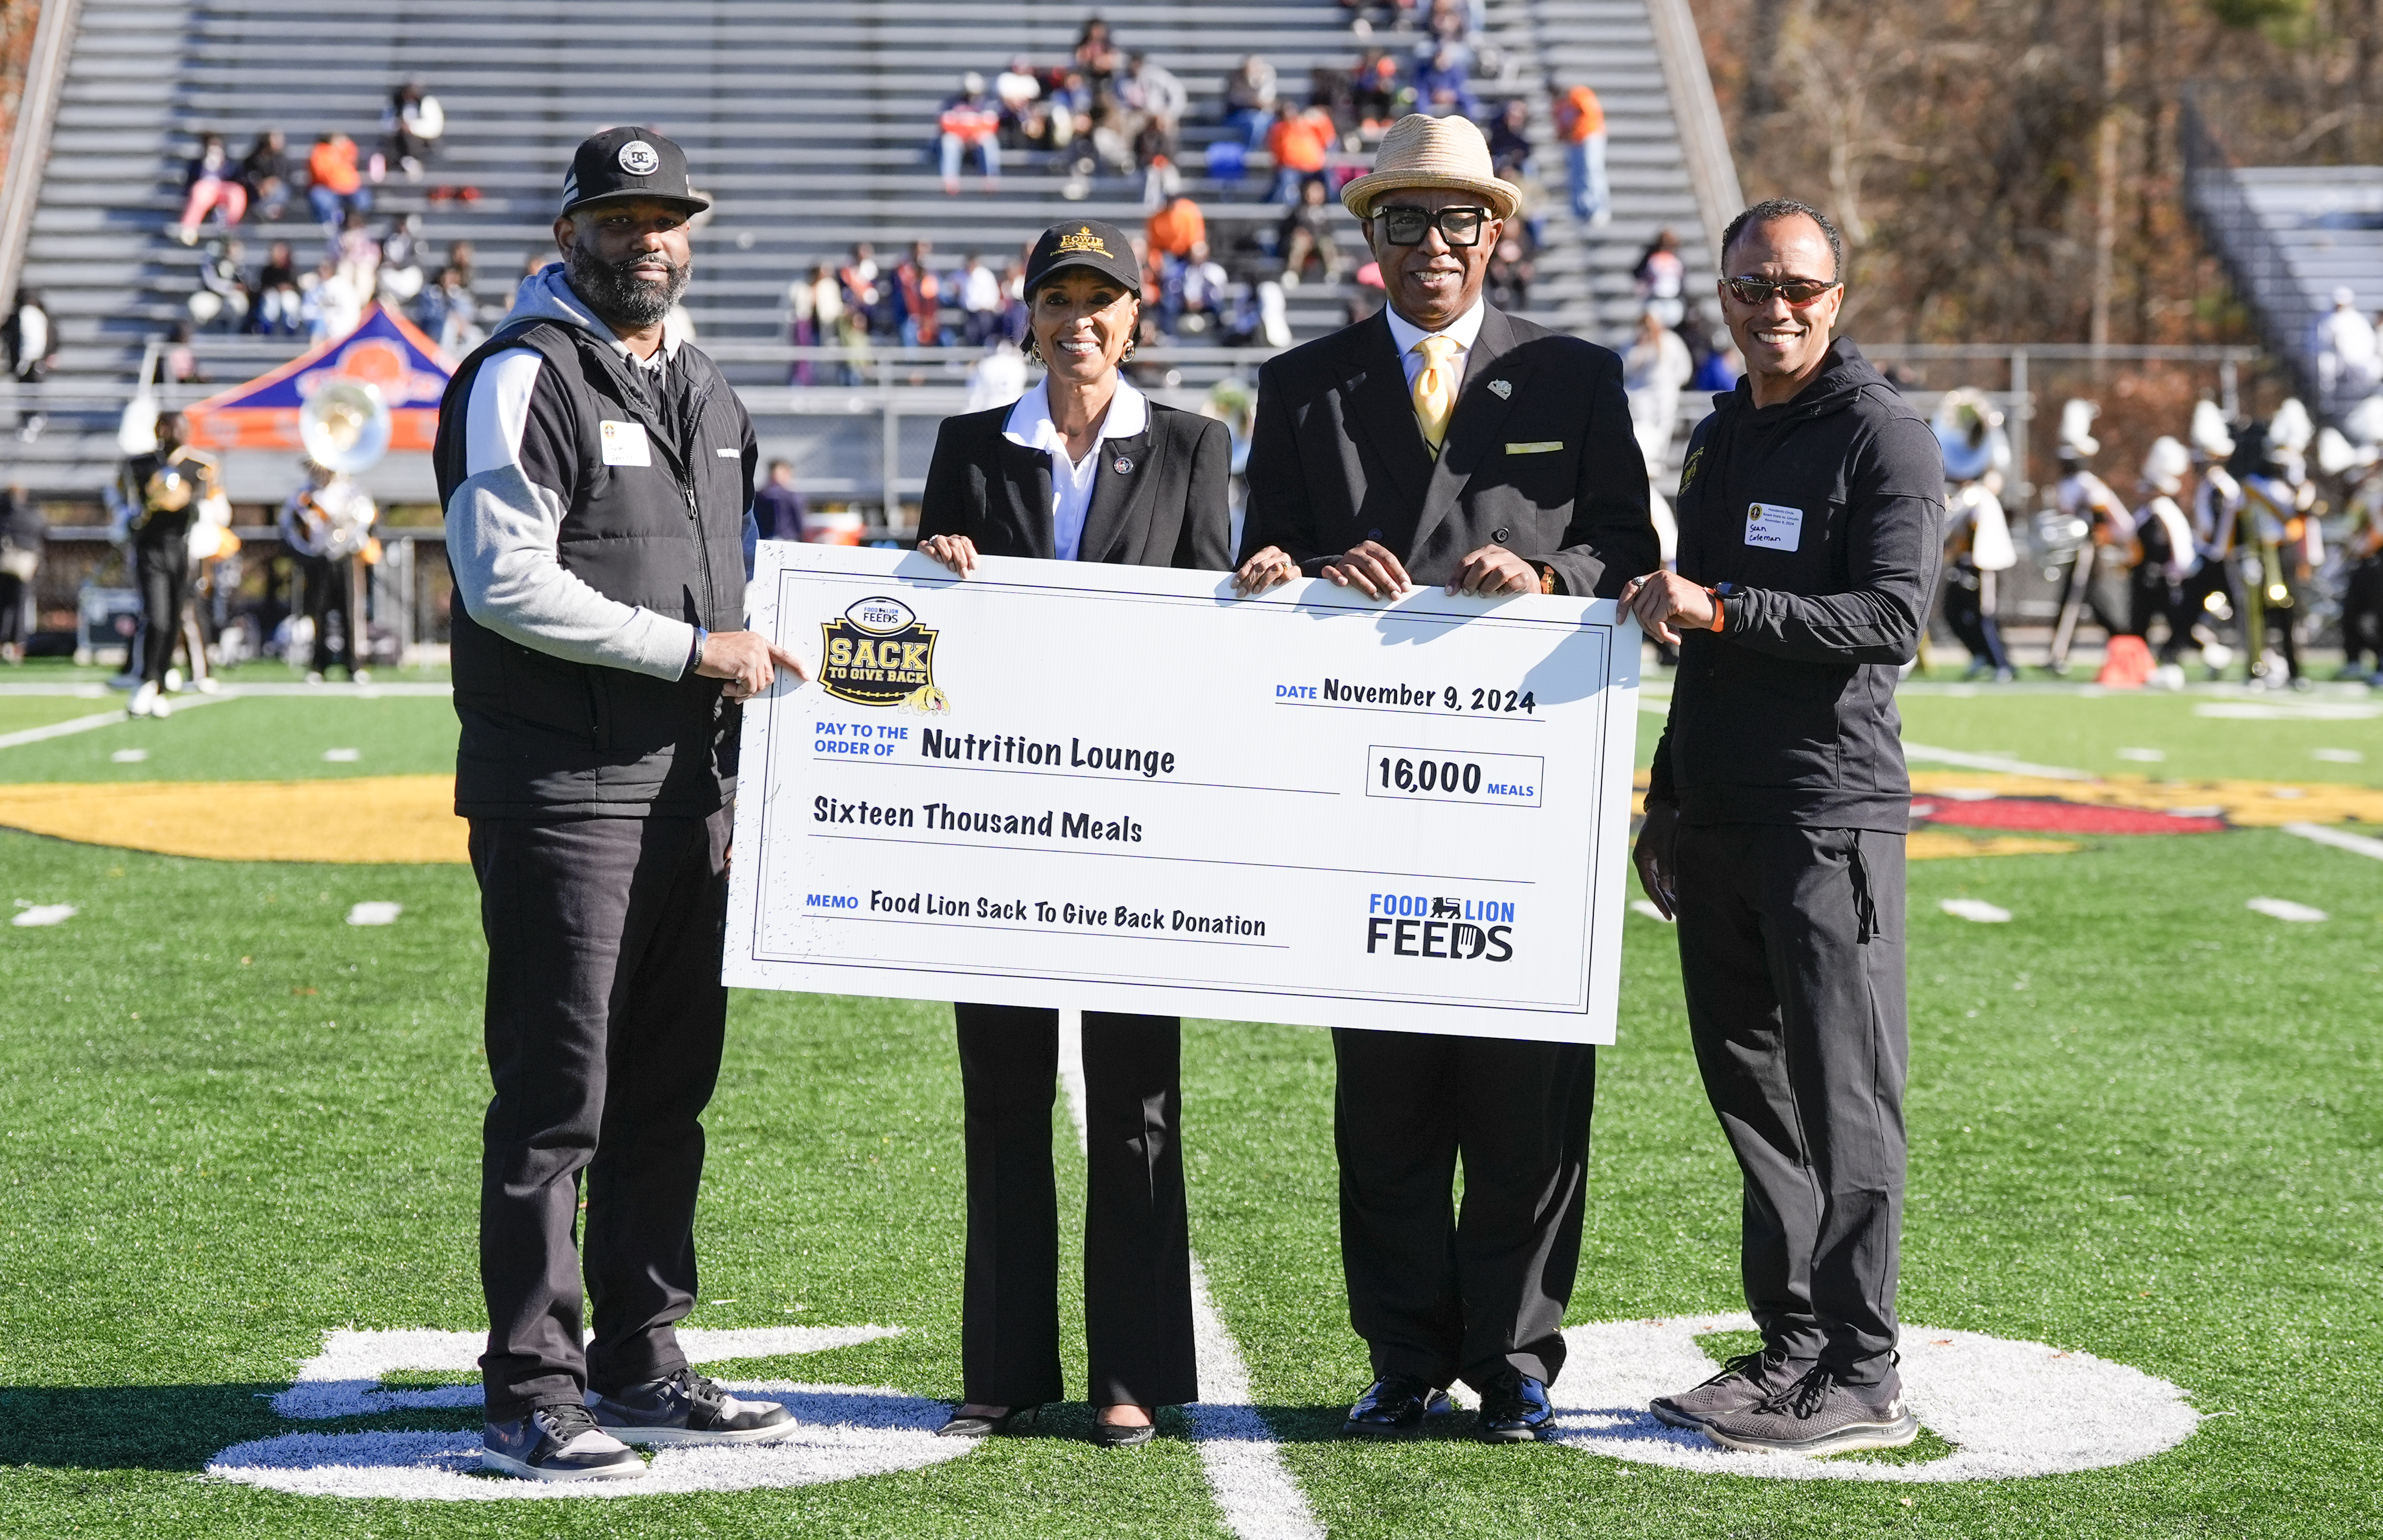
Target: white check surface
pixel 1141 794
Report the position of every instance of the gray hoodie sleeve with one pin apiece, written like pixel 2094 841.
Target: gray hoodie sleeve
pixel 504 522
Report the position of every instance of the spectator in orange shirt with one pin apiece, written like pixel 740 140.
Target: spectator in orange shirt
pixel 1175 228
pixel 1580 123
pixel 335 186
pixel 1300 143
pixel 971 121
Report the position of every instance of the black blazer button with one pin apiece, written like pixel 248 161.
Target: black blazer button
pixel 1373 535
pixel 1502 536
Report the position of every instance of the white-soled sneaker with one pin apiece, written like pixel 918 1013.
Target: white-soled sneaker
pixel 688 1409
pixel 558 1443
pixel 1820 1414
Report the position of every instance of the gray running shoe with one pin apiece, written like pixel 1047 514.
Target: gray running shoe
pixel 688 1409
pixel 1820 1414
pixel 557 1443
pixel 1743 1382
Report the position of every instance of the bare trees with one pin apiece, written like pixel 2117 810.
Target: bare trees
pixel 2009 169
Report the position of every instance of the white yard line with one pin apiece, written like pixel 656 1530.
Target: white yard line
pixel 1238 1452
pixel 2002 763
pixel 73 725
pixel 2357 844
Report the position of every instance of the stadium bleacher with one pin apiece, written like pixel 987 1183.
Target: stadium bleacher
pixel 811 125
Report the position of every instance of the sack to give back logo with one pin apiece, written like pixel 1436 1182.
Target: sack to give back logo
pixel 877 654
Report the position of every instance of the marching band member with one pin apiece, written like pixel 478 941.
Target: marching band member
pixel 328 524
pixel 2281 545
pixel 1081 468
pixel 2361 602
pixel 2212 596
pixel 1977 533
pixel 164 490
pixel 2109 545
pixel 2171 557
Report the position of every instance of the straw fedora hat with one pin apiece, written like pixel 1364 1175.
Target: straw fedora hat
pixel 1432 152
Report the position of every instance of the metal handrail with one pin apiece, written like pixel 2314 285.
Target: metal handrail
pixel 1704 140
pixel 37 111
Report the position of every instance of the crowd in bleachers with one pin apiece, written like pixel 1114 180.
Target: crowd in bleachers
pixel 295 290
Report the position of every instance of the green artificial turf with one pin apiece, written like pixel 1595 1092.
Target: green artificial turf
pixel 18 713
pixel 250 738
pixel 2145 1124
pixel 2086 731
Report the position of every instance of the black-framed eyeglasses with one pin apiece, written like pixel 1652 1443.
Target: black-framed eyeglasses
pixel 1406 225
pixel 1799 293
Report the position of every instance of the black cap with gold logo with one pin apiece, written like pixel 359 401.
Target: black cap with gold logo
pixel 1104 249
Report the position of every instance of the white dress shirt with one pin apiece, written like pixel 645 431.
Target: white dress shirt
pixel 1072 480
pixel 1461 331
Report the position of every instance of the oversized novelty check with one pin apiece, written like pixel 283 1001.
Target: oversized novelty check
pixel 1123 789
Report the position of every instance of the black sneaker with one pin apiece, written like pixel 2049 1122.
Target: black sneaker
pixel 1515 1410
pixel 1820 1414
pixel 1743 1382
pixel 1396 1406
pixel 557 1443
pixel 688 1409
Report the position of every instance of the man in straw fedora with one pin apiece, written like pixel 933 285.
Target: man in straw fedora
pixel 1445 442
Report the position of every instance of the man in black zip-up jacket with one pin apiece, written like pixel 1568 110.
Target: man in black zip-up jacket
pixel 1810 511
pixel 598 478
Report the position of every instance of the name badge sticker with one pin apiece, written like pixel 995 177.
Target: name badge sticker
pixel 624 443
pixel 1773 527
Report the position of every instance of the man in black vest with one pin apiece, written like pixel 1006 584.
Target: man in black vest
pixel 597 476
pixel 1445 442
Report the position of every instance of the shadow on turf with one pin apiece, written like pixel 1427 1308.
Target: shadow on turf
pixel 162 1427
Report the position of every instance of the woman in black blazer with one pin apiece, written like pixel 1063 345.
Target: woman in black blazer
pixel 1082 468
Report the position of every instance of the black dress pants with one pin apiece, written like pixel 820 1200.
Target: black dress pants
pixel 605 1016
pixel 1437 1294
pixel 1137 1227
pixel 1792 951
pixel 327 592
pixel 1969 610
pixel 165 585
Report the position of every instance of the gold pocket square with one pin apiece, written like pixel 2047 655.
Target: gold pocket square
pixel 1544 446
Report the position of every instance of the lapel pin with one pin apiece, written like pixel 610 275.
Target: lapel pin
pixel 1123 467
pixel 1501 389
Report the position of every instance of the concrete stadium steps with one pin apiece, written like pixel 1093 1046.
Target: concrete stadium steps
pixel 813 130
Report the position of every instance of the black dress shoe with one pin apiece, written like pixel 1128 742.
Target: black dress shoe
pixel 1122 1436
pixel 1017 1419
pixel 1396 1406
pixel 1515 1410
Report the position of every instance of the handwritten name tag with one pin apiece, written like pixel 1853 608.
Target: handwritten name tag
pixel 624 443
pixel 1773 527
pixel 1544 446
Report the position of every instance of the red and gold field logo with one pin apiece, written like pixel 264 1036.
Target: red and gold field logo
pixel 877 654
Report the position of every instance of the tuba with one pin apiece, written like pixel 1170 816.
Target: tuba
pixel 345 425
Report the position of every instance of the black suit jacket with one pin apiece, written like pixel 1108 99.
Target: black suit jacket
pixel 1170 509
pixel 1336 457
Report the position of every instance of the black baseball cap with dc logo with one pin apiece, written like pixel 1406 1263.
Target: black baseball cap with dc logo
pixel 629 163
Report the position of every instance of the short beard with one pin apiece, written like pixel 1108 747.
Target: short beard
pixel 615 297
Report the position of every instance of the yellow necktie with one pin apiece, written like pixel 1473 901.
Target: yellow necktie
pixel 1435 389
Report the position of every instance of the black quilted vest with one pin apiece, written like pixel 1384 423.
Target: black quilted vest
pixel 546 737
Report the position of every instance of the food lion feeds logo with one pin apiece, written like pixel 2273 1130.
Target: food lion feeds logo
pixel 1452 929
pixel 877 654
pixel 639 158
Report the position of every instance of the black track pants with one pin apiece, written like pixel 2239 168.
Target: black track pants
pixel 1792 953
pixel 605 1015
